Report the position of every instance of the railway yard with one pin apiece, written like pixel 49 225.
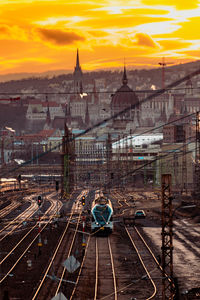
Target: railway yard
pixel 49 249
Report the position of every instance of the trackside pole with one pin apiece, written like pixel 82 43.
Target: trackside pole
pixel 39 237
pixel 83 240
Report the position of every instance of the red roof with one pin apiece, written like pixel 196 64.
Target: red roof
pixel 37 136
pixel 46 133
pixel 11 99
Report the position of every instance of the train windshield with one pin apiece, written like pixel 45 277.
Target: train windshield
pixel 102 214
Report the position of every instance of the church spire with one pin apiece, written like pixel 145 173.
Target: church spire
pixel 124 79
pixel 77 60
pixel 78 75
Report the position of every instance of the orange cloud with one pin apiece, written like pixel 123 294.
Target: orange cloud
pixel 13 32
pixel 59 37
pixel 191 53
pixel 44 34
pixel 189 30
pixel 145 40
pixel 98 33
pixel 4 29
pixel 174 44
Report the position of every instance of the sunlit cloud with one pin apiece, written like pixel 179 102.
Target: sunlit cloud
pixel 54 21
pixel 113 9
pixel 59 37
pixel 143 31
pixel 10 64
pixel 143 39
pixel 157 28
pixel 12 32
pixel 98 33
pixel 178 4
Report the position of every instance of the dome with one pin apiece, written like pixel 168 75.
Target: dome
pixel 124 96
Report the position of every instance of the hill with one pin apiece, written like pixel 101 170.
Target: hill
pixel 42 82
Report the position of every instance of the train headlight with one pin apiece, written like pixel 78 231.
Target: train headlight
pixel 97 223
pixel 107 223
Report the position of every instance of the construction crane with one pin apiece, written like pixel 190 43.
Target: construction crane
pixel 163 64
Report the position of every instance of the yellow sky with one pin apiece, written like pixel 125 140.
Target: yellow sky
pixel 43 35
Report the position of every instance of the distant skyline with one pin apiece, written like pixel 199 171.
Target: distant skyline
pixel 43 35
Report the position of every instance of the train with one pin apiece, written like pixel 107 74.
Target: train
pixel 101 216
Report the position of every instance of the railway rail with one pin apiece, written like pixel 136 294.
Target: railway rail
pixel 7 261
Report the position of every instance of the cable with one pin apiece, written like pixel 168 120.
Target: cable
pixel 158 127
pixel 89 92
pixel 133 106
pixel 149 163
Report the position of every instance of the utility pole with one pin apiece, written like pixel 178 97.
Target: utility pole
pixel 110 175
pixel 2 151
pixel 67 183
pixel 175 160
pixel 197 157
pixel 184 165
pixel 168 289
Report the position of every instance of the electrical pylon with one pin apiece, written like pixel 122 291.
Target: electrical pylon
pixel 197 156
pixel 168 289
pixel 67 164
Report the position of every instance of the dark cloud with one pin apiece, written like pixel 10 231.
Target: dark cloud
pixel 145 40
pixel 59 37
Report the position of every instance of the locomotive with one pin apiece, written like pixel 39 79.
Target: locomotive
pixel 101 216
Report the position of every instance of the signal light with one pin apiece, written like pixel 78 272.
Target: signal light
pixel 83 200
pixel 57 185
pixel 39 200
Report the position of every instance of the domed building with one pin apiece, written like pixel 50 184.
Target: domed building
pixel 125 105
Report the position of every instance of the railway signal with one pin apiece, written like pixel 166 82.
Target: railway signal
pixel 57 185
pixel 83 200
pixel 39 200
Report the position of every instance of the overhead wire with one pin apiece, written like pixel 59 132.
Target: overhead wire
pixel 152 161
pixel 133 106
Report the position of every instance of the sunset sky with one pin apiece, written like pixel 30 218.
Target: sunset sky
pixel 43 35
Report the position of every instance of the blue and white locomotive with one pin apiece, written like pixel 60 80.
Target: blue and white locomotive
pixel 101 214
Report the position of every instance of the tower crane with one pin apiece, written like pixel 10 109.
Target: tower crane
pixel 163 64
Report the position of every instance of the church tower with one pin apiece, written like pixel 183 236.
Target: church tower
pixel 78 76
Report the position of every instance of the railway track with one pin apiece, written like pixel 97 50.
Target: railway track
pixel 52 283
pixel 105 283
pixel 97 277
pixel 11 226
pixel 149 262
pixel 8 263
pixel 53 277
pixel 117 267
